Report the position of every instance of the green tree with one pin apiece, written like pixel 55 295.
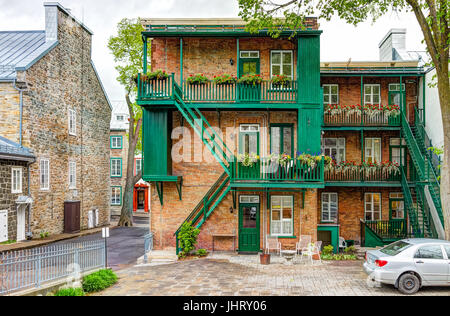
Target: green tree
pixel 432 15
pixel 127 49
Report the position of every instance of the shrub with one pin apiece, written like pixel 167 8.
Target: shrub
pixel 350 250
pixel 99 281
pixel 188 237
pixel 328 250
pixel 202 253
pixel 70 292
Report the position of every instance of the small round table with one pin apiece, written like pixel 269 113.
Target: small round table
pixel 289 255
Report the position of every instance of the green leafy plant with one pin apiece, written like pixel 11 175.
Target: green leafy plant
pixel 328 250
pixel 99 281
pixel 350 250
pixel 188 237
pixel 250 79
pixel 248 159
pixel 44 234
pixel 280 81
pixel 202 253
pixel 9 242
pixel 197 79
pixel 70 292
pixel 224 79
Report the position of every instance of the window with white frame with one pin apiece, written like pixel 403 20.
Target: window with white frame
pixel 249 199
pixel 72 174
pixel 44 174
pixel 116 196
pixel 330 94
pixel 72 122
pixel 397 205
pixel 282 216
pixel 116 142
pixel 372 206
pixel 282 63
pixel 372 94
pixel 249 54
pixel 398 153
pixel 395 87
pixel 138 166
pixel 329 207
pixel 372 150
pixel 16 180
pixel 335 148
pixel 116 168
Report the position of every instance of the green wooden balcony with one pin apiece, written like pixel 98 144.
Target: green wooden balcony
pixel 362 119
pixel 268 173
pixel 158 90
pixel 361 176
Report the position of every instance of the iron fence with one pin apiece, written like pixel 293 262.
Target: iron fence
pixel 31 268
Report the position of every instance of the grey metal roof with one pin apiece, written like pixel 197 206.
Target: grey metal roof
pixel 13 151
pixel 21 49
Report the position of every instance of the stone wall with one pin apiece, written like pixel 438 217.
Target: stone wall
pixel 65 79
pixel 7 198
pixel 9 112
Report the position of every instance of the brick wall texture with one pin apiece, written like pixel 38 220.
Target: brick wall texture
pixel 63 79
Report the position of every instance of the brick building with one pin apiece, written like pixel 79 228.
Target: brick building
pixel 249 159
pixel 52 102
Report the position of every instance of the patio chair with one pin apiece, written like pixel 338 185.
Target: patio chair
pixel 303 243
pixel 272 243
pixel 312 250
pixel 342 244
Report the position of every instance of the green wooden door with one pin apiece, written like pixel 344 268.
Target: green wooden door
pixel 249 228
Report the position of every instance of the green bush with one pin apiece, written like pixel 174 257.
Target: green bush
pixel 188 237
pixel 328 250
pixel 350 250
pixel 202 253
pixel 70 292
pixel 99 281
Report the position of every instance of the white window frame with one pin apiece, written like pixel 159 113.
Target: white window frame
pixel 291 75
pixel 72 122
pixel 16 182
pixel 251 128
pixel 395 87
pixel 338 147
pixel 282 220
pixel 372 210
pixel 326 207
pixel 116 195
pixel 372 94
pixel 119 162
pixel 379 159
pixel 72 174
pixel 330 94
pixel 246 54
pixel 44 183
pixel 136 165
pixel 249 199
pixel 116 146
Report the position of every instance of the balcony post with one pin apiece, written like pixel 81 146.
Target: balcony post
pixel 298 70
pixel 362 100
pixel 424 83
pixel 401 95
pixel 238 65
pixel 145 55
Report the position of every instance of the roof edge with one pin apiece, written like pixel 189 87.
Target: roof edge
pixel 101 85
pixel 63 9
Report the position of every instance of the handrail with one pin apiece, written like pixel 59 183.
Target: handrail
pixel 414 148
pixel 412 212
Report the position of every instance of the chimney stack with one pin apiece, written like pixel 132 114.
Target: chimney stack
pixel 393 45
pixel 51 22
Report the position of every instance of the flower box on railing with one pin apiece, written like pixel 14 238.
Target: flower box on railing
pixel 354 172
pixel 355 115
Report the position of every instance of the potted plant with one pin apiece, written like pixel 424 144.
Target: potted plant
pixel 264 258
pixel 224 79
pixel 158 75
pixel 279 81
pixel 198 79
pixel 250 88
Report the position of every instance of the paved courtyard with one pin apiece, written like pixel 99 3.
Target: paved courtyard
pixel 243 276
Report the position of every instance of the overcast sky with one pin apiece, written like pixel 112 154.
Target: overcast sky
pixel 340 41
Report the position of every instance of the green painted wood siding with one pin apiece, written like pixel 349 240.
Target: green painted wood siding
pixel 309 70
pixel 157 144
pixel 309 130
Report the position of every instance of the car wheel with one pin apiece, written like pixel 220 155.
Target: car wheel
pixel 409 284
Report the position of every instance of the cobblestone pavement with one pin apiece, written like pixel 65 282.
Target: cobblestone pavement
pixel 243 276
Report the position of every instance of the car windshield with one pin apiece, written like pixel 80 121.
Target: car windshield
pixel 395 248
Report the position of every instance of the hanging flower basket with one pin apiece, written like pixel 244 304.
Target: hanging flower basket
pixel 250 79
pixel 224 79
pixel 197 79
pixel 281 81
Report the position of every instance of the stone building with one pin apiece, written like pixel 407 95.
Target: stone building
pixel 52 101
pixel 250 160
pixel 15 200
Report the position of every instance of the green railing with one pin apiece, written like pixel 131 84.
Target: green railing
pixel 411 209
pixel 390 230
pixel 360 119
pixel 425 142
pixel 265 92
pixel 414 150
pixel 361 176
pixel 269 171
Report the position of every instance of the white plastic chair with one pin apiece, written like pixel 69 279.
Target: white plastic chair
pixel 312 250
pixel 342 244
pixel 303 243
pixel 272 243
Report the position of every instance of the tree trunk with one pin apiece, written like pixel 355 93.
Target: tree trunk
pixel 444 97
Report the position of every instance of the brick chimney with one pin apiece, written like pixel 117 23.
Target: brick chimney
pixel 393 45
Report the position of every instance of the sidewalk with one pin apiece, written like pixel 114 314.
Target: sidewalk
pixel 52 239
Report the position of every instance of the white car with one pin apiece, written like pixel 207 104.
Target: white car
pixel 411 264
